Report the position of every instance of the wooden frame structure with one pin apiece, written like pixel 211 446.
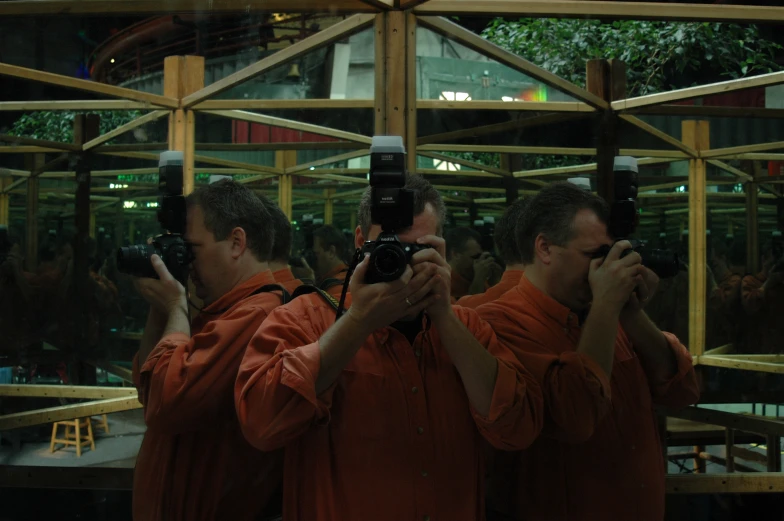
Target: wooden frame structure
pixel 395 107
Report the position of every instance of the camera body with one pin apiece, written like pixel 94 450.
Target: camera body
pixel 170 246
pixel 392 206
pixel 624 218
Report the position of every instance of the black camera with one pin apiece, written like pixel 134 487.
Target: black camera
pixel 170 246
pixel 624 218
pixel 392 207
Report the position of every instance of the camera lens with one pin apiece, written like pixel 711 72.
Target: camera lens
pixel 135 260
pixel 389 262
pixel 663 263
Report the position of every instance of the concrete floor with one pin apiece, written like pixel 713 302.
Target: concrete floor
pixel 116 449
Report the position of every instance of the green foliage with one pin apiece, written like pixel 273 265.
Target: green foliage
pixel 58 125
pixel 659 55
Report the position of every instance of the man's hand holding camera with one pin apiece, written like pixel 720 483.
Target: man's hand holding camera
pixel 614 278
pixel 165 295
pixel 433 261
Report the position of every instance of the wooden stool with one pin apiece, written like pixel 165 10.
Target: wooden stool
pixel 102 423
pixel 75 438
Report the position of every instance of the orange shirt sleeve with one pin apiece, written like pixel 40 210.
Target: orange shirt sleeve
pixel 187 380
pixel 752 294
pixel 275 391
pixel 682 389
pixel 516 409
pixel 576 391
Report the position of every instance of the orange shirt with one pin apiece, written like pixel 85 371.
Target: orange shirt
pixel 509 280
pixel 286 279
pixel 459 286
pixel 395 436
pixel 194 463
pixel 599 456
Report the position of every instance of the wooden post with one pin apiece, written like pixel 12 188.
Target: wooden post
pixel 329 205
pixel 606 79
pixel 512 193
pixel 86 127
pixel 131 230
pixel 353 221
pixel 285 159
pixel 5 201
pixel 752 222
pixel 696 134
pixel 183 75
pixel 396 88
pixel 34 162
pixel 92 221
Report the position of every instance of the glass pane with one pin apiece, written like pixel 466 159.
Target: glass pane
pixel 450 71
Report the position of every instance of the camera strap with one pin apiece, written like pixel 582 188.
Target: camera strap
pixel 307 289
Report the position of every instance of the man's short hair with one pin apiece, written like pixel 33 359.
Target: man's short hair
pixel 505 234
pixel 226 205
pixel 331 236
pixel 457 238
pixel 424 193
pixel 281 245
pixel 551 212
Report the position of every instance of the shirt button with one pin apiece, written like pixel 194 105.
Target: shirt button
pixel 424 473
pixel 420 430
pixel 418 352
pixel 426 518
pixel 414 390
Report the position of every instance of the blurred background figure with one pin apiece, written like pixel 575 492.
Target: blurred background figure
pixel 473 270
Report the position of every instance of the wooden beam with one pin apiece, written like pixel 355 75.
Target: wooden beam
pixel 410 90
pixel 588 168
pixel 736 483
pixel 291 124
pixel 603 10
pixel 745 149
pixel 55 145
pixel 285 104
pixel 379 4
pixel 704 111
pixel 740 174
pixel 741 364
pixel 85 85
pixel 26 149
pixel 764 80
pixel 67 412
pixel 323 38
pixel 655 132
pixel 66 478
pixel 742 422
pixel 67 391
pixel 500 55
pixel 464 162
pixel 327 161
pixel 497 128
pixel 696 135
pixel 73 105
pixel 244 147
pixel 535 106
pixel 122 129
pixel 150 7
pixel 285 159
pixel 460 173
pixel 507 149
pixel 118 371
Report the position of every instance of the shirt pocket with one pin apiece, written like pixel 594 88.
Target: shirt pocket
pixel 361 407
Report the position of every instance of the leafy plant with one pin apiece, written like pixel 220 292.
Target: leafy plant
pixel 58 125
pixel 659 55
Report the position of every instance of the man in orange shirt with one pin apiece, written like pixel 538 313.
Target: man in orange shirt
pixel 506 244
pixel 329 247
pixel 576 321
pixel 382 412
pixel 473 271
pixel 194 463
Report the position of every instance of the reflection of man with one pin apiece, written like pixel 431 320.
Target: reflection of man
pixel 382 412
pixel 506 244
pixel 473 271
pixel 194 463
pixel 577 323
pixel 329 246
pixel 762 296
pixel 281 247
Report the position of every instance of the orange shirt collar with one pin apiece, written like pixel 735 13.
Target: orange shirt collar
pixel 334 272
pixel 511 277
pixel 242 290
pixel 283 275
pixel 547 305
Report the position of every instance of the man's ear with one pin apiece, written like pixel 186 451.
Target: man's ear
pixel 543 249
pixel 359 238
pixel 239 242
